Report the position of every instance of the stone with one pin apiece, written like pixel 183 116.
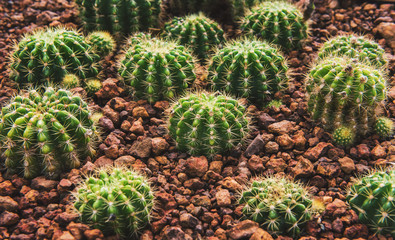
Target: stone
pixel 188 221
pixel 141 149
pixel 8 218
pixel 203 201
pixel 93 234
pixel 159 145
pixel 315 152
pixel 111 114
pixel 104 161
pixel 140 112
pixel 285 142
pixel 125 161
pixel 346 165
pixel 276 164
pixel 174 233
pixel 363 151
pixel 231 184
pixel 271 147
pixel 255 164
pixel 356 231
pixel 243 230
pixel 337 207
pixel 300 142
pixel 304 168
pixel 109 89
pixel 137 128
pixel 261 234
pixel 328 168
pixel 257 145
pixel 378 152
pixel 223 198
pixel 196 166
pixel 40 183
pixel 66 236
pixel 280 128
pixel 8 204
pixel 265 119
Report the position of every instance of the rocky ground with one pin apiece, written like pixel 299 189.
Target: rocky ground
pixel 197 198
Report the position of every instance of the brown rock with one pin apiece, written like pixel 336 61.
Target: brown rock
pixel 188 221
pixel 304 168
pixel 216 166
pixel 140 112
pixel 243 230
pixel 93 234
pixel 378 152
pixel 255 164
pixel 126 161
pixel 109 89
pixel 203 201
pixel 6 188
pixel 141 149
pixel 271 147
pixel 356 231
pixel 363 151
pixel 111 114
pixel 66 236
pixel 137 128
pixel 257 145
pixel 285 141
pixel 159 145
pixel 314 153
pixel 223 198
pixel 174 233
pixel 337 207
pixel 103 161
pixel 261 234
pixel 347 164
pixel 196 166
pixel 328 168
pixel 8 218
pixel 300 141
pixel 231 184
pixel 277 164
pixel 280 128
pixel 40 183
pixel 8 204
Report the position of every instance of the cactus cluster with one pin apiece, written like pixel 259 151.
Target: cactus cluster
pixel 279 205
pixel 116 201
pixel 208 123
pixel 384 127
pixel 102 43
pixel 344 136
pixel 156 69
pixel 373 199
pixel 248 68
pixel 70 81
pixel 46 133
pixel 92 86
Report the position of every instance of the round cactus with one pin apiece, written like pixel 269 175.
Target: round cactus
pixel 156 69
pixel 208 124
pixel 344 136
pixel 92 86
pixel 196 31
pixel 278 22
pixel 70 81
pixel 46 134
pixel 343 91
pixel 249 68
pixel 279 205
pixel 116 201
pixel 384 127
pixel 373 198
pixel 355 47
pixel 102 43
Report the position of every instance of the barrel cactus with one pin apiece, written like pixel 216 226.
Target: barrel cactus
pixel 248 68
pixel 208 123
pixel 92 86
pixel 102 43
pixel 278 22
pixel 344 136
pixel 156 69
pixel 384 127
pixel 373 198
pixel 279 205
pixel 116 201
pixel 70 81
pixel 47 55
pixel 46 133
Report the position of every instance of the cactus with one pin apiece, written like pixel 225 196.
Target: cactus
pixel 279 205
pixel 208 124
pixel 116 201
pixel 92 86
pixel 372 197
pixel 344 136
pixel 384 127
pixel 49 54
pixel 70 81
pixel 278 22
pixel 119 16
pixel 355 47
pixel 196 31
pixel 248 68
pixel 343 91
pixel 156 69
pixel 46 133
pixel 102 43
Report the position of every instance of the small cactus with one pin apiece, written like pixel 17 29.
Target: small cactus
pixel 278 22
pixel 46 133
pixel 196 31
pixel 344 136
pixel 116 201
pixel 92 86
pixel 384 127
pixel 248 68
pixel 208 124
pixel 373 198
pixel 102 43
pixel 279 205
pixel 70 81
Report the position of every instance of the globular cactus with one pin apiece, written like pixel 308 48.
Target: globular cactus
pixel 116 201
pixel 48 55
pixel 248 68
pixel 208 124
pixel 195 31
pixel 102 42
pixel 372 197
pixel 119 16
pixel 156 69
pixel 278 22
pixel 279 205
pixel 355 47
pixel 344 136
pixel 46 133
pixel 92 86
pixel 70 81
pixel 343 91
pixel 384 127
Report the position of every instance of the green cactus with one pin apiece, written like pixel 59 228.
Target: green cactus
pixel 372 197
pixel 119 16
pixel 279 205
pixel 102 42
pixel 355 47
pixel 70 81
pixel 48 55
pixel 343 91
pixel 208 124
pixel 344 136
pixel 46 133
pixel 248 68
pixel 92 86
pixel 156 69
pixel 196 31
pixel 116 201
pixel 384 127
pixel 278 22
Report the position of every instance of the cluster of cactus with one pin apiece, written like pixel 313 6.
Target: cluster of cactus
pixel 116 201
pixel 102 43
pixel 46 133
pixel 279 205
pixel 373 199
pixel 156 69
pixel 208 123
pixel 248 68
pixel 384 127
pixel 119 16
pixel 344 136
pixel 278 22
pixel 70 81
pixel 48 55
pixel 196 31
pixel 92 86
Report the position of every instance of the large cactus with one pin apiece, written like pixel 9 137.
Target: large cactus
pixel 46 134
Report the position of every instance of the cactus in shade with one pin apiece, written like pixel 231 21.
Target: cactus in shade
pixel 208 123
pixel 196 31
pixel 70 81
pixel 373 198
pixel 343 91
pixel 92 86
pixel 279 205
pixel 116 201
pixel 49 54
pixel 355 47
pixel 156 69
pixel 384 127
pixel 102 43
pixel 119 16
pixel 46 133
pixel 278 22
pixel 344 136
pixel 248 68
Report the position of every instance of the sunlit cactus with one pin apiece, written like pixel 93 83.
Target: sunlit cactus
pixel 102 43
pixel 384 127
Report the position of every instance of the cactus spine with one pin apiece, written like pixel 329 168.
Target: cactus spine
pixel 344 136
pixel 70 81
pixel 384 127
pixel 102 43
pixel 92 86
